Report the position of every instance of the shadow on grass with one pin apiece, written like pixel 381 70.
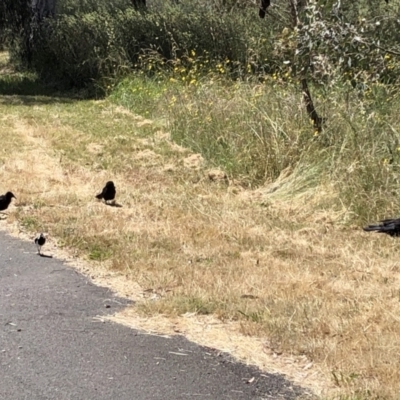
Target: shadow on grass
pixel 114 205
pixel 27 89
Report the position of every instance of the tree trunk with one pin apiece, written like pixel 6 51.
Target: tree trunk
pixel 43 9
pixel 318 122
pixel 22 18
pixel 40 10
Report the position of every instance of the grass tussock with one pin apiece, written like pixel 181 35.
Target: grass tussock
pixel 244 128
pixel 274 248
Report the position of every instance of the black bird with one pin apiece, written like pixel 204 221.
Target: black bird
pixel 40 241
pixel 5 200
pixel 108 192
pixel 388 226
pixel 263 8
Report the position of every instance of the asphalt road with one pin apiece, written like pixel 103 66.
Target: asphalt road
pixel 53 345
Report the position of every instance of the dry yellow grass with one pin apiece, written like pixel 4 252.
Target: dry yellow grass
pixel 262 274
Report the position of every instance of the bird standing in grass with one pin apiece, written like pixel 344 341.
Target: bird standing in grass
pixel 40 241
pixel 5 200
pixel 108 192
pixel 389 226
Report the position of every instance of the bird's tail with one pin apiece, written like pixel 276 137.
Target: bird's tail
pixel 99 196
pixel 376 228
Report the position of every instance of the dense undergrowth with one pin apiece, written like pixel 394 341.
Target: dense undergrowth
pixel 92 42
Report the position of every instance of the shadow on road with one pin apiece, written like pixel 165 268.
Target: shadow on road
pixel 45 255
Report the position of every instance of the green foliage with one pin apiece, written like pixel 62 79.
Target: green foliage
pixel 71 7
pixel 355 42
pixel 15 17
pixel 81 48
pixel 95 41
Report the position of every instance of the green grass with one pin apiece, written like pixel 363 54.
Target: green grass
pixel 254 132
pixel 30 223
pixel 22 84
pixel 99 253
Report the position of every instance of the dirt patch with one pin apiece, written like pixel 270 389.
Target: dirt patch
pixel 147 155
pixel 217 175
pixel 144 123
pixel 194 161
pixel 95 148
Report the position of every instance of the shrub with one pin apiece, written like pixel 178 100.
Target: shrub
pixel 84 47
